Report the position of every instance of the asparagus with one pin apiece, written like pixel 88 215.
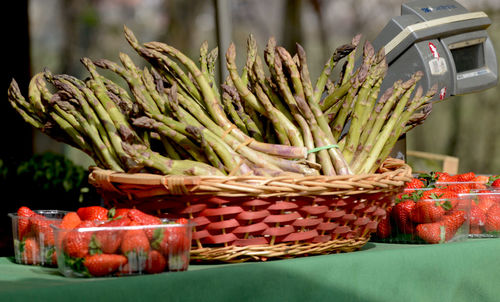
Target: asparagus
pixel 215 108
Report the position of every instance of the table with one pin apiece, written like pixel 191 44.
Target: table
pixel 459 271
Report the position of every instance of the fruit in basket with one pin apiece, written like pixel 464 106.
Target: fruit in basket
pixel 76 244
pixel 41 226
pixel 109 241
pixel 401 215
pixel 415 183
pixel 142 218
pixel 70 221
pixel 496 183
pixel 30 250
pixel 92 213
pixel 427 211
pixel 23 222
pixel 156 262
pixel 443 230
pixel 477 216
pixel 134 241
pixel 384 228
pixel 104 264
pixel 492 223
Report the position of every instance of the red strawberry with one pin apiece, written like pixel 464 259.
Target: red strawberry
pixel 433 232
pixel 401 216
pixel 108 241
pixel 93 213
pixel 156 262
pixel 172 241
pixel 459 188
pixel 70 221
pixel 437 232
pixel 486 201
pixel 23 221
pixel 41 226
pixel 477 216
pixel 104 264
pixel 384 226
pixel 496 183
pixel 427 211
pixel 439 193
pixel 492 223
pixel 465 177
pixel 30 251
pixel 415 183
pixel 120 212
pixel 445 177
pixel 76 242
pixel 134 240
pixel 144 219
pixel 475 230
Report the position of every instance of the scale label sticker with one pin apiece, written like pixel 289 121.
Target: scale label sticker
pixel 471 74
pixel 438 66
pixel 442 93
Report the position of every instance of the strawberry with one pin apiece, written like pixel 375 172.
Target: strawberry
pixel 93 213
pixel 483 179
pixel 30 251
pixel 475 230
pixel 76 242
pixel 401 216
pixel 142 218
pixel 460 188
pixel 70 221
pixel 104 264
pixel 427 211
pixel 486 201
pixel 171 240
pixel 384 226
pixel 415 183
pixel 23 221
pixel 465 177
pixel 108 241
pixel 115 213
pixel 477 216
pixel 445 177
pixel 156 262
pixel 134 240
pixel 444 230
pixel 492 223
pixel 453 221
pixel 496 183
pixel 439 193
pixel 41 226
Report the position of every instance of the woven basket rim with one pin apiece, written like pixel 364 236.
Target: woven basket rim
pixel 393 173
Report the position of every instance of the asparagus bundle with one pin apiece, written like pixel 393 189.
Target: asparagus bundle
pixel 268 119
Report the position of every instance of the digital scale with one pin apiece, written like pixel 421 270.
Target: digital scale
pixel 446 42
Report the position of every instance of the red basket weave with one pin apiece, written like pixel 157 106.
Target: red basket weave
pixel 241 218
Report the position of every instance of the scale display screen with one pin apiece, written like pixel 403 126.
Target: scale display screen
pixel 468 57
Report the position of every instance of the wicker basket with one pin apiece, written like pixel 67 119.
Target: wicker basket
pixel 243 218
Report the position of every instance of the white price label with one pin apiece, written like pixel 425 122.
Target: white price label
pixel 438 66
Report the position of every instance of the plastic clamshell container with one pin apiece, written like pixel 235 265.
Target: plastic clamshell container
pixel 405 229
pixel 485 213
pixel 125 250
pixel 34 241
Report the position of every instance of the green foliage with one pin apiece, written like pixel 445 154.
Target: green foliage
pixel 44 181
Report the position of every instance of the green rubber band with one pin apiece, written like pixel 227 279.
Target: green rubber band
pixel 322 148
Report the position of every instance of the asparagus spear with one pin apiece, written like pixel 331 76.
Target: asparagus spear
pixel 215 108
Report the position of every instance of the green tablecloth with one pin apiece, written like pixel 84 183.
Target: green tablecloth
pixel 462 271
